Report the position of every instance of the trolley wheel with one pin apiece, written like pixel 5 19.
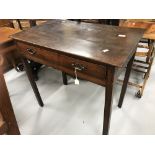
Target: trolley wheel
pixel 138 94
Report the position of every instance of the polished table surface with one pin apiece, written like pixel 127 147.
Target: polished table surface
pixel 96 52
pixel 85 40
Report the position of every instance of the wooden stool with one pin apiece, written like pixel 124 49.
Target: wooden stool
pixel 143 66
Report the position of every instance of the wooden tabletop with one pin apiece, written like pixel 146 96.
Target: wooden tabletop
pixel 85 40
pixel 5 32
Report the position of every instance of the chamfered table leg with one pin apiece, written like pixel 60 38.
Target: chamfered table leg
pixel 108 99
pixel 64 77
pixel 32 81
pixel 125 83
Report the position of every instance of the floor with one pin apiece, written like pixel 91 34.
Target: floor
pixel 78 109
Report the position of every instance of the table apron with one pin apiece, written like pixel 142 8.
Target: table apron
pixel 86 70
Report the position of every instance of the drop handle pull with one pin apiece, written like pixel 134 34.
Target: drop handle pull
pixel 31 51
pixel 79 67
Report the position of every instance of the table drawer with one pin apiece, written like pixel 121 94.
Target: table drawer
pixel 38 54
pixel 86 70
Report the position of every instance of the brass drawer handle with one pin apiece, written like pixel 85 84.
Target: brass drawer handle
pixel 31 51
pixel 79 67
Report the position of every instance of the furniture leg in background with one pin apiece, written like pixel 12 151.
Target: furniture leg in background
pixel 6 108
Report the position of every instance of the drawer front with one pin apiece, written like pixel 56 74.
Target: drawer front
pixel 38 54
pixel 82 67
pixel 85 70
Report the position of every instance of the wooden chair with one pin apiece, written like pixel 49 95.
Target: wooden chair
pixel 8 124
pixel 24 24
pixel 7 48
pixel 143 65
pixel 6 23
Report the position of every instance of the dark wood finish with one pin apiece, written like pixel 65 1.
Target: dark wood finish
pixel 93 72
pixel 19 24
pixel 64 45
pixel 32 82
pixel 64 77
pixel 6 107
pixel 35 66
pixel 3 126
pixel 126 79
pixel 85 40
pixel 108 98
pixel 32 23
